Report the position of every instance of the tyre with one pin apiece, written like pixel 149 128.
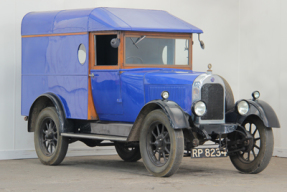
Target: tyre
pixel 51 148
pixel 128 153
pixel 258 157
pixel 161 146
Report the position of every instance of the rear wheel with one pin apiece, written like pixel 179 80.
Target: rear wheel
pixel 128 153
pixel 260 152
pixel 161 146
pixel 51 148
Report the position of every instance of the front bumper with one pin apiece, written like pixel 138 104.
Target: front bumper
pixel 218 128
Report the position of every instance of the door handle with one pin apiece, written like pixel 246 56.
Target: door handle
pixel 93 75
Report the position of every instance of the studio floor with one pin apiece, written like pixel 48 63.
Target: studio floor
pixel 110 173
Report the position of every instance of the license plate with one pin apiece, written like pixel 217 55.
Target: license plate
pixel 207 152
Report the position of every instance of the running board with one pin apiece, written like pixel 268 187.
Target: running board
pixel 92 136
pixel 117 129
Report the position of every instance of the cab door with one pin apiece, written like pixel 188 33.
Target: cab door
pixel 106 91
pixel 105 84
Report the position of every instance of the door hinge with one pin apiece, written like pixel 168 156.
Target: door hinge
pixel 91 75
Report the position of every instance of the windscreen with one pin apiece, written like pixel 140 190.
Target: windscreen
pixel 156 51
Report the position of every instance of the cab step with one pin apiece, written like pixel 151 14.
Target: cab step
pixel 94 136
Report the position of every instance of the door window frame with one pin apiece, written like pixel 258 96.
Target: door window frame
pixel 92 52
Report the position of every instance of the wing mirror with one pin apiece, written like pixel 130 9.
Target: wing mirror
pixel 115 42
pixel 201 42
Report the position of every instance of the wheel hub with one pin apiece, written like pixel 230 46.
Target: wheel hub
pixel 49 134
pixel 160 143
pixel 249 142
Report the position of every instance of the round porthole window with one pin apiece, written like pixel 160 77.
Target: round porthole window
pixel 82 55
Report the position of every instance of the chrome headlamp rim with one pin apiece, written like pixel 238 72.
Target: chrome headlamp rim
pixel 242 107
pixel 195 111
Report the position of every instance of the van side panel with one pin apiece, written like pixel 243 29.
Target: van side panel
pixel 50 64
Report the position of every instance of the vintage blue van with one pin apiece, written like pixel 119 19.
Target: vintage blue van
pixel 125 75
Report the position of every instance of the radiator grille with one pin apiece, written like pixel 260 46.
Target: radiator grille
pixel 212 96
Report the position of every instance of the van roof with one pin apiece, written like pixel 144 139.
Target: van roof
pixel 103 19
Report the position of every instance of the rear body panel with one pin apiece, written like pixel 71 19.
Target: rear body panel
pixel 50 64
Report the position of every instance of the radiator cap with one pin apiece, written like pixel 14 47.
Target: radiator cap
pixel 209 71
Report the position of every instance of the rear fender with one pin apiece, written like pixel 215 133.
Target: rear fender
pixel 47 100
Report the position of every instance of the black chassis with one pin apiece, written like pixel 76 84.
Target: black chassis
pixel 195 134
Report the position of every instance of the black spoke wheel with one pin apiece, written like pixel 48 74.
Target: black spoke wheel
pixel 161 146
pixel 50 147
pixel 158 144
pixel 49 137
pixel 127 152
pixel 259 152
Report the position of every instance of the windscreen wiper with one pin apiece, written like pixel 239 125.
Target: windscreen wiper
pixel 138 40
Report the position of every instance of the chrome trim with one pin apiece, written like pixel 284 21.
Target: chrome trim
pixel 196 94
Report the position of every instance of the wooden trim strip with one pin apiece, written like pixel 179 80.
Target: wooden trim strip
pixel 158 34
pixel 92 113
pixel 107 67
pixel 105 32
pixel 173 67
pixel 121 51
pixel 190 51
pixel 54 34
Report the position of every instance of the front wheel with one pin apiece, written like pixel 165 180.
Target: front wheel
pixel 161 146
pixel 259 154
pixel 51 148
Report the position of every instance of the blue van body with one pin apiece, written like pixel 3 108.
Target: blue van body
pixel 86 77
pixel 50 63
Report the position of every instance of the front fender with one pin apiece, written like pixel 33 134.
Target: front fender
pixel 177 117
pixel 258 108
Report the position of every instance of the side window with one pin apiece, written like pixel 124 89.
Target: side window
pixel 104 52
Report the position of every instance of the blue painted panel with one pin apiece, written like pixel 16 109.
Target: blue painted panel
pixel 54 55
pixel 132 94
pixel 172 76
pixel 177 82
pixel 152 20
pixel 106 92
pixel 34 52
pixel 103 19
pixel 72 90
pixel 132 90
pixel 35 23
pixel 50 64
pixel 72 21
pixel 181 94
pixel 139 86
